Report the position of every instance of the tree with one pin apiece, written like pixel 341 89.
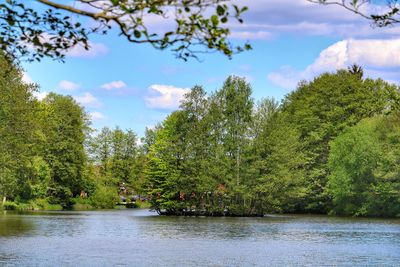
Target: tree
pixel 365 168
pixel 389 15
pixel 216 157
pixel 356 70
pixel 278 158
pixel 114 154
pixel 235 106
pixel 18 131
pixel 66 123
pixel 194 26
pixel 322 109
pixel 100 150
pixel 236 109
pixel 124 152
pixel 164 166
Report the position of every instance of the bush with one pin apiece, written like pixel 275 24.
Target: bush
pixel 43 204
pixel 82 204
pixel 60 195
pixel 8 205
pixel 104 197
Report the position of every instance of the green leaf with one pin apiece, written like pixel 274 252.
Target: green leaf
pixel 214 20
pixel 220 10
pixel 137 34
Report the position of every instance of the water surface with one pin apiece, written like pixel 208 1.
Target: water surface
pixel 141 238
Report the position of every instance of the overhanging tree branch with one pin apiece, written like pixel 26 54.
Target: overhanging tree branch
pixel 191 24
pixel 389 17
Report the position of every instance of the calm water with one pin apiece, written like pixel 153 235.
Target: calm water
pixel 140 238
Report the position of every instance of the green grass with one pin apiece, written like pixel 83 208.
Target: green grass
pixel 79 204
pixel 37 204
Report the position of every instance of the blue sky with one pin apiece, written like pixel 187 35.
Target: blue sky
pixel 134 86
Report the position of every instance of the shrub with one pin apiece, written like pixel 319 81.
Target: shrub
pixel 8 205
pixel 104 197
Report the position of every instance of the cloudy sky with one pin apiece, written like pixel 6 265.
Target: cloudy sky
pixel 135 86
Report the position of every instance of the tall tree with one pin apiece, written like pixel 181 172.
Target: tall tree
pixel 365 168
pixel 197 148
pixel 277 161
pixel 66 123
pixel 100 150
pixel 164 167
pixel 236 108
pixel 321 109
pixel 17 131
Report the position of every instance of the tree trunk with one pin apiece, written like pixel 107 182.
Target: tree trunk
pixel 4 200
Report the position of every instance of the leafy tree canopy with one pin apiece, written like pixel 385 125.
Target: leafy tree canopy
pixel 32 31
pixel 365 168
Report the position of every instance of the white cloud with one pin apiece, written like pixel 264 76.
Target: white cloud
pixel 68 85
pixel 114 85
pixel 40 95
pixel 249 35
pixel 286 77
pixel 97 116
pixel 165 96
pixel 88 100
pixel 370 54
pixel 379 53
pixel 96 49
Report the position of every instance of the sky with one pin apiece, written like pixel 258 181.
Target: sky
pixel 135 86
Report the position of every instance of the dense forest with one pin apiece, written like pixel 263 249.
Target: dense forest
pixel 330 146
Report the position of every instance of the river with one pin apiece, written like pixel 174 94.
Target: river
pixel 134 237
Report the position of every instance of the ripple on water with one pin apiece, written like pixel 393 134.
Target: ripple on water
pixel 138 237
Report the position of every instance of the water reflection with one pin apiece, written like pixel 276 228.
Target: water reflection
pixel 14 225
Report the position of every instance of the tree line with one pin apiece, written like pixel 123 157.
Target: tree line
pixel 49 156
pixel 330 146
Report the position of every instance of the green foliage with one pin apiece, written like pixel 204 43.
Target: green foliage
pixel 47 30
pixel 217 156
pixel 17 130
pixel 9 206
pixel 104 197
pixel 116 160
pixel 43 204
pixel 321 110
pixel 220 156
pixel 332 145
pixel 278 161
pixel 41 177
pixel 365 169
pixel 65 128
pixel 42 153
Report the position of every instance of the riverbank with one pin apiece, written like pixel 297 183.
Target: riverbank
pixel 77 205
pixel 85 205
